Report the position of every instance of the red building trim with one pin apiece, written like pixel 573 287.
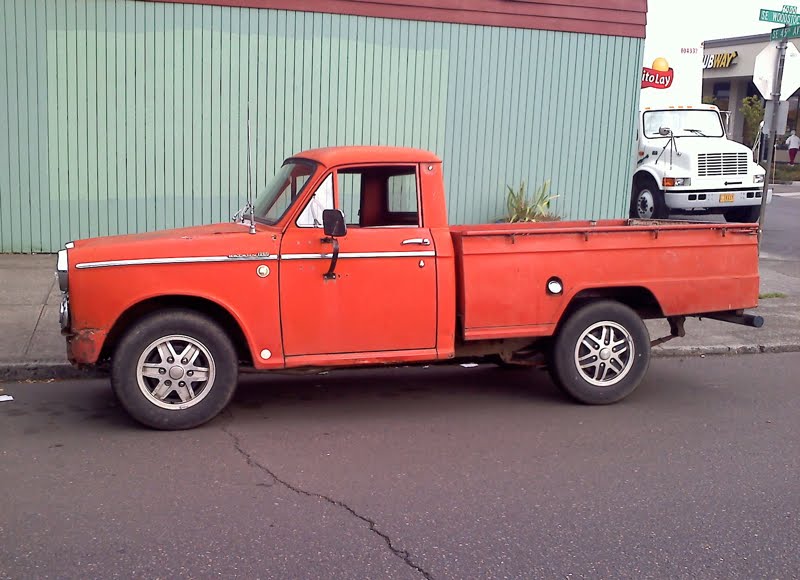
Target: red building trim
pixel 609 17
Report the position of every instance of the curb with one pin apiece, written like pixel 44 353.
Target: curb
pixel 722 350
pixel 42 371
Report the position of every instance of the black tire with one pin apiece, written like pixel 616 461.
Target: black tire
pixel 743 215
pixel 568 349
pixel 648 198
pixel 214 352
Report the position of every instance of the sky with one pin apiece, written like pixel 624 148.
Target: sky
pixel 699 20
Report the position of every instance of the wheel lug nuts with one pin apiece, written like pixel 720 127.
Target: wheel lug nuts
pixel 184 361
pixel 162 371
pixel 190 373
pixel 168 383
pixel 170 360
pixel 181 384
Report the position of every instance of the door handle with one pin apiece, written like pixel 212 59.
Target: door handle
pixel 418 241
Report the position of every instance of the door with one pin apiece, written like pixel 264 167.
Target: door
pixel 383 297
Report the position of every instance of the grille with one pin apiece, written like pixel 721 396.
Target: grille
pixel 721 164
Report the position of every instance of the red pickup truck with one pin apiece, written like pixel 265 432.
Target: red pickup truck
pixel 346 259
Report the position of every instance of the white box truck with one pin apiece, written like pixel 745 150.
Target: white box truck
pixel 684 162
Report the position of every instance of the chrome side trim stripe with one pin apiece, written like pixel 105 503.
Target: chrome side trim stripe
pixel 248 258
pixel 186 260
pixel 427 254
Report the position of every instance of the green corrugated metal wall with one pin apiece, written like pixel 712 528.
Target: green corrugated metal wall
pixel 124 116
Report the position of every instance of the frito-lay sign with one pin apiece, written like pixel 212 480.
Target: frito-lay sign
pixel 722 60
pixel 659 76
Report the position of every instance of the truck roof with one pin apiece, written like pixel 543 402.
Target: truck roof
pixel 701 107
pixel 330 156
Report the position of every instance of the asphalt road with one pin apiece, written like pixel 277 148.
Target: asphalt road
pixel 410 473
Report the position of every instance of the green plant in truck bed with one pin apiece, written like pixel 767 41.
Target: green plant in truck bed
pixel 536 208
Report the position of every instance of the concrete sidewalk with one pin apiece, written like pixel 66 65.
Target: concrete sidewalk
pixel 31 346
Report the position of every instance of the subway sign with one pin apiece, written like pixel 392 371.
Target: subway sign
pixel 721 60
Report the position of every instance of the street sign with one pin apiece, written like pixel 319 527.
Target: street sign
pixel 764 71
pixel 783 115
pixel 785 32
pixel 786 18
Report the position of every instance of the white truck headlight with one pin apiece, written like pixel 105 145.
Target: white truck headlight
pixel 758 178
pixel 676 181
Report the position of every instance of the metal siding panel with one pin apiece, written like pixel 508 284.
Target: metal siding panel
pixel 109 117
pixel 101 130
pixel 183 113
pixel 16 107
pixel 221 131
pixel 171 70
pixel 157 208
pixel 90 151
pixel 32 219
pixel 570 192
pixel 52 100
pixel 6 190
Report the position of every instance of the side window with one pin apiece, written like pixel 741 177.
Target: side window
pixel 350 196
pixel 379 196
pixel 402 190
pixel 321 200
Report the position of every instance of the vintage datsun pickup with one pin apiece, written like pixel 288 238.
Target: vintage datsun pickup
pixel 348 261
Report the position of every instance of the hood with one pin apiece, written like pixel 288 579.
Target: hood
pixel 188 233
pixel 694 145
pixel 221 239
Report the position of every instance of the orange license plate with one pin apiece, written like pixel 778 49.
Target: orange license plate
pixel 726 197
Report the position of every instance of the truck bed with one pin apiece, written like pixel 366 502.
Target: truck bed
pixel 688 268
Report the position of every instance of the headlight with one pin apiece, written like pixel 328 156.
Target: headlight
pixel 676 181
pixel 62 267
pixel 758 178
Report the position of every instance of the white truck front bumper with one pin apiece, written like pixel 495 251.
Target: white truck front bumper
pixel 696 200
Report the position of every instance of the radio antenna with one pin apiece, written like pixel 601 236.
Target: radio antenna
pixel 249 177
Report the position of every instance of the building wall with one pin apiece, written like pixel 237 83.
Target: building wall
pixel 122 116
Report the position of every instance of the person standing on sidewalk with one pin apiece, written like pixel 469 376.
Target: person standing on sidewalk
pixel 793 142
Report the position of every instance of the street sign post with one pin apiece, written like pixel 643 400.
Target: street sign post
pixel 789 17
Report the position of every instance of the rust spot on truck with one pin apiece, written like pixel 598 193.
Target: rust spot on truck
pixel 83 346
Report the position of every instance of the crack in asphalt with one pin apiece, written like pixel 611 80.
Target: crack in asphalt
pixel 402 554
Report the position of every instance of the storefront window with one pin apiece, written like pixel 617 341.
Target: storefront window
pixel 722 95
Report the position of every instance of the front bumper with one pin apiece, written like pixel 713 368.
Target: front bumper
pixel 84 346
pixel 63 313
pixel 699 199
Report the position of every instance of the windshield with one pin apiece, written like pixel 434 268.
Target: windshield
pixel 683 122
pixel 274 200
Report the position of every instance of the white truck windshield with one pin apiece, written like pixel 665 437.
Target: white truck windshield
pixel 683 123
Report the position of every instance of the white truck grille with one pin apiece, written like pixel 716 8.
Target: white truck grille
pixel 709 164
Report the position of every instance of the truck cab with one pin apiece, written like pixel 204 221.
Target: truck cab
pixel 686 164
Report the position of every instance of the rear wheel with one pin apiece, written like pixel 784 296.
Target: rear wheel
pixel 174 370
pixel 648 201
pixel 743 215
pixel 601 353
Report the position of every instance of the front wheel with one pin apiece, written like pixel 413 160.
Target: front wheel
pixel 743 215
pixel 648 201
pixel 601 353
pixel 174 370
